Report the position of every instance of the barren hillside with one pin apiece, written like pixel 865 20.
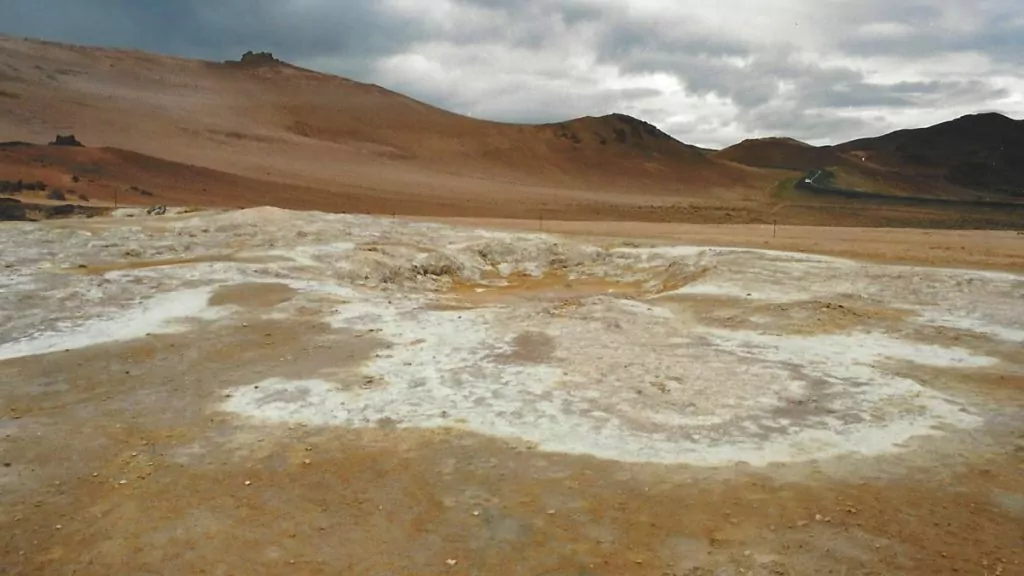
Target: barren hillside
pixel 781 153
pixel 266 119
pixel 981 152
pixel 979 156
pixel 261 131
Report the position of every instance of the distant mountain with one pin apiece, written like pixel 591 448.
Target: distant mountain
pixel 972 157
pixel 781 153
pixel 983 152
pixel 261 131
pixel 260 116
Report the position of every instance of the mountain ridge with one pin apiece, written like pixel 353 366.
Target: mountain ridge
pixel 373 149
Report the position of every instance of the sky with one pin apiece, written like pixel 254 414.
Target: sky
pixel 709 72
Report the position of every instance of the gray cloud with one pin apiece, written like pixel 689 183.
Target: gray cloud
pixel 624 37
pixel 709 73
pixel 992 27
pixel 354 32
pixel 807 125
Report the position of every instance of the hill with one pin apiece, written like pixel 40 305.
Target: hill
pixel 260 117
pixel 104 176
pixel 780 153
pixel 981 152
pixel 973 158
pixel 261 131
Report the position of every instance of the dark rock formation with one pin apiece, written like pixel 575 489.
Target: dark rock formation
pixel 255 60
pixel 11 209
pixel 251 57
pixel 16 186
pixel 61 210
pixel 68 140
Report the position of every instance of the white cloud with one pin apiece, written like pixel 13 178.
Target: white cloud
pixel 724 70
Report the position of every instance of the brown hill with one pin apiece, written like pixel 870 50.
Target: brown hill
pixel 780 153
pixel 265 119
pixel 103 176
pixel 976 157
pixel 981 152
pixel 262 131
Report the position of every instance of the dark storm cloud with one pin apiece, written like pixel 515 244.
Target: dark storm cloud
pixel 806 68
pixel 357 31
pixel 623 37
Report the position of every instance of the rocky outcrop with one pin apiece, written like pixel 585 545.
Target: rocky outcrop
pixel 251 57
pixel 12 209
pixel 17 186
pixel 255 60
pixel 68 140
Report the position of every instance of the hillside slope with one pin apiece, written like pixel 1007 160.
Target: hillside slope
pixel 780 153
pixel 975 157
pixel 266 119
pixel 261 131
pixel 982 152
pixel 104 176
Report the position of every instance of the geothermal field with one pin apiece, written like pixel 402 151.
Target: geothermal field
pixel 215 391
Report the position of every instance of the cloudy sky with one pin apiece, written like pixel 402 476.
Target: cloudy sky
pixel 710 72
